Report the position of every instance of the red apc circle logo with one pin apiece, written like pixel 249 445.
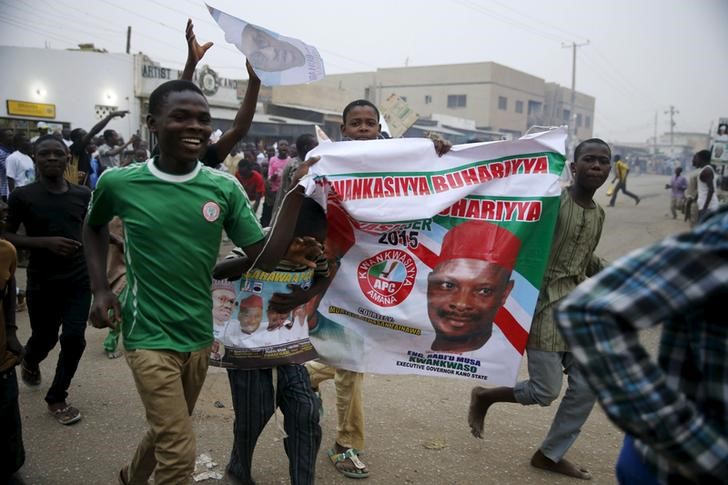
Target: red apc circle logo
pixel 387 278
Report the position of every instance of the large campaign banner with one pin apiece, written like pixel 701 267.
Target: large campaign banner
pixel 440 258
pixel 247 334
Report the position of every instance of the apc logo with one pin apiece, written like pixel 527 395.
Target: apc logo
pixel 387 278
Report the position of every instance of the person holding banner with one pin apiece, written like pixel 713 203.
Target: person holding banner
pixel 258 392
pixel 360 122
pixel 572 260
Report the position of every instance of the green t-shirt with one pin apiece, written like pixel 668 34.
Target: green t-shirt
pixel 172 231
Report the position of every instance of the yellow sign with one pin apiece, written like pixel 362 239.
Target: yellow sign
pixel 38 110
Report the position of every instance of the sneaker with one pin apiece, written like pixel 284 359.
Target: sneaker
pixel 64 413
pixel 30 376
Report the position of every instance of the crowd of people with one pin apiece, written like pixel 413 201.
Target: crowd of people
pixel 74 199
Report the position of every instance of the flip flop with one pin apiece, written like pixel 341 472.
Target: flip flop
pixel 352 455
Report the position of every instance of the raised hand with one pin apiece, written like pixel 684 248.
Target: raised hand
pixel 195 51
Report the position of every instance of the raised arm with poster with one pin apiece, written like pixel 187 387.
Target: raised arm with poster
pixel 276 59
pixel 440 259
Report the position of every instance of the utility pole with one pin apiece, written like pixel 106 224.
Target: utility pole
pixel 672 112
pixel 572 113
pixel 654 140
pixel 128 39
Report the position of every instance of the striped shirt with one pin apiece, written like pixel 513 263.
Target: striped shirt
pixel 572 260
pixel 4 152
pixel 678 407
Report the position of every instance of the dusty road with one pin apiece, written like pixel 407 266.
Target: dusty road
pixel 416 427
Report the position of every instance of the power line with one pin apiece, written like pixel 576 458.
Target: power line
pixel 539 21
pixel 498 16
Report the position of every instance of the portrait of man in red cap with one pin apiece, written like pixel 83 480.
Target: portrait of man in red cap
pixel 469 284
pixel 251 314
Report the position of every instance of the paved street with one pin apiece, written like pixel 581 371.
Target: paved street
pixel 416 426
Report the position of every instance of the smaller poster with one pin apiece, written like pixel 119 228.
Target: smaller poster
pixel 247 334
pixel 720 142
pixel 398 115
pixel 276 59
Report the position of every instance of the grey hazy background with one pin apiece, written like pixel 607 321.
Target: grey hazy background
pixel 643 55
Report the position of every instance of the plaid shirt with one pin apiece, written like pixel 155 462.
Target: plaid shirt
pixel 677 408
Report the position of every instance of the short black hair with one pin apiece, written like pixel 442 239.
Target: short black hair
pixel 18 139
pixel 703 156
pixel 108 133
pixel 77 134
pixel 580 146
pixel 160 94
pixel 305 143
pixel 359 102
pixel 43 138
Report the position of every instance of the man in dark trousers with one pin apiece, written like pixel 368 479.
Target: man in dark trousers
pixel 52 211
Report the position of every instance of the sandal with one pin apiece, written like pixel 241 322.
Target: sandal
pixel 65 414
pixel 352 456
pixel 29 376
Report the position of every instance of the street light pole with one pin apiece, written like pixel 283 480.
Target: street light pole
pixel 672 112
pixel 572 113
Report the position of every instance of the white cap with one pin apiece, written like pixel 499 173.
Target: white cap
pixel 41 125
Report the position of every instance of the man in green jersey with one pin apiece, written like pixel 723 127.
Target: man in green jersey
pixel 174 211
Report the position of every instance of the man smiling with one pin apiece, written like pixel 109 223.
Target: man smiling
pixel 174 211
pixel 470 284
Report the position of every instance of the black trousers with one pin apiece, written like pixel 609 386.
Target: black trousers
pixel 12 453
pixel 623 187
pixel 64 306
pixel 253 400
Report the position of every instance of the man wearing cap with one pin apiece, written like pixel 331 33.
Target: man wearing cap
pixel 42 128
pixel 251 314
pixel 470 283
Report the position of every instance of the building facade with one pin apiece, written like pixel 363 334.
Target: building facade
pixel 496 97
pixel 77 88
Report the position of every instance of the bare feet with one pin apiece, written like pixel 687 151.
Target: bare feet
pixel 564 466
pixel 113 354
pixel 480 400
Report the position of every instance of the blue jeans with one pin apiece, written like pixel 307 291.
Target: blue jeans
pixel 630 467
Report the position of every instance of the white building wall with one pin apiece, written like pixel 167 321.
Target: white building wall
pixel 75 81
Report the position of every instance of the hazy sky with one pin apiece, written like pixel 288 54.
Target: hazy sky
pixel 642 56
